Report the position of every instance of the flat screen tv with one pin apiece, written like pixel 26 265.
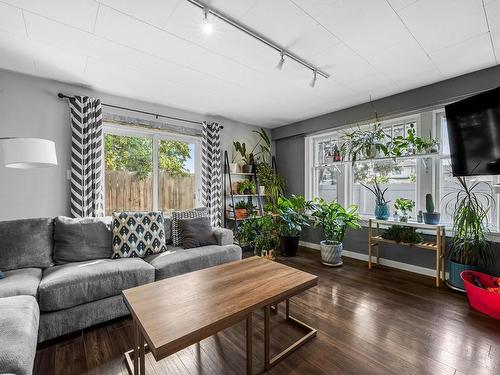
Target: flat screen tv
pixel 474 134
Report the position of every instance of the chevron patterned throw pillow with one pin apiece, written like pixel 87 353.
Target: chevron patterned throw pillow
pixel 137 234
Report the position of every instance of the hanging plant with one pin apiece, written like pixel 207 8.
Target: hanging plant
pixel 365 144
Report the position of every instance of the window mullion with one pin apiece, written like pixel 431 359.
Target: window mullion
pixel 155 172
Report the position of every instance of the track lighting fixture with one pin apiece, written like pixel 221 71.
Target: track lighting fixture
pixel 207 27
pixel 313 82
pixel 282 61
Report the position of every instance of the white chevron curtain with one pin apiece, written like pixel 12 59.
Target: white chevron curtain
pixel 86 157
pixel 211 172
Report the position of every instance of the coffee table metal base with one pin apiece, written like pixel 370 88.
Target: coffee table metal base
pixel 135 358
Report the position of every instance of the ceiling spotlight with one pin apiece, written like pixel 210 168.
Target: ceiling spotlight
pixel 313 82
pixel 282 61
pixel 207 27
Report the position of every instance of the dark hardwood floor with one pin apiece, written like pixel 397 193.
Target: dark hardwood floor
pixel 381 322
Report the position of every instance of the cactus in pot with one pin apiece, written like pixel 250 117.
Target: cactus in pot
pixel 430 217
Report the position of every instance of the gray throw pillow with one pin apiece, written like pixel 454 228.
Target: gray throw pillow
pixel 81 239
pixel 26 243
pixel 184 214
pixel 196 232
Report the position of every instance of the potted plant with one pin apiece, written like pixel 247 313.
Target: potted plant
pixel 412 144
pixel 243 209
pixel 245 187
pixel 246 233
pixel 470 249
pixel 364 144
pixel 273 183
pixel 247 158
pixel 400 233
pixel 266 240
pixel 233 166
pixel 430 217
pixel 292 220
pixel 404 206
pixel 334 220
pixel 381 205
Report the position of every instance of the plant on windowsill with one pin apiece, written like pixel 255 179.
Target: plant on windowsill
pixel 365 144
pixel 404 234
pixel 470 249
pixel 334 220
pixel 404 206
pixel 381 205
pixel 411 144
pixel 430 217
pixel 292 220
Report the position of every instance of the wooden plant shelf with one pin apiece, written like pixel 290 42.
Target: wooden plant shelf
pixel 374 240
pixel 422 245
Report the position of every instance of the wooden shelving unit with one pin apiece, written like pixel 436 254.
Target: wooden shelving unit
pixel 374 240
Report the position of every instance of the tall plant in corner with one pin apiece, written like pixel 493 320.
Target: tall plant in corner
pixel 470 248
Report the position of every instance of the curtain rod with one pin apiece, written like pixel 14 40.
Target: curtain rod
pixel 157 115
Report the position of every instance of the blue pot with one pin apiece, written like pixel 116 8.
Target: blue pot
pixel 382 211
pixel 455 269
pixel 431 218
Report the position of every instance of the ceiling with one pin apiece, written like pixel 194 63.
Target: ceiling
pixel 154 50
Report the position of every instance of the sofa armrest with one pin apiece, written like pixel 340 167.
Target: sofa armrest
pixel 224 236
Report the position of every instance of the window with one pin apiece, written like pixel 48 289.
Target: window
pixel 149 170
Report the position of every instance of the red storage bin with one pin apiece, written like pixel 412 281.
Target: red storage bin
pixel 481 299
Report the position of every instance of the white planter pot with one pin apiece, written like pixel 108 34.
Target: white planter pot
pixel 262 190
pixel 234 167
pixel 331 253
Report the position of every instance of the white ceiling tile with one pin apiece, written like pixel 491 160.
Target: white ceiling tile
pixel 77 13
pixel 314 7
pixel 437 24
pixel 234 8
pixel 287 25
pixel 401 4
pixel 493 12
pixel 11 20
pixel 15 53
pixel 473 54
pixel 366 26
pixel 129 32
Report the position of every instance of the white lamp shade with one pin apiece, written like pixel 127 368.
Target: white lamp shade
pixel 26 153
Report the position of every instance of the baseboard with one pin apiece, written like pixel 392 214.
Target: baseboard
pixel 385 262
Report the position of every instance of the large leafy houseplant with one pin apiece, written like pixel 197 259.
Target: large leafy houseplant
pixel 365 143
pixel 292 220
pixel 334 220
pixel 470 248
pixel 274 184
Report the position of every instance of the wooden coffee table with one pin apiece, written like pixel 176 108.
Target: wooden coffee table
pixel 172 314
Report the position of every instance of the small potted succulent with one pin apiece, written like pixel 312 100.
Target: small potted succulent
pixel 430 217
pixel 381 205
pixel 404 207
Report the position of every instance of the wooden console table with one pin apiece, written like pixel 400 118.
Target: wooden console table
pixel 439 246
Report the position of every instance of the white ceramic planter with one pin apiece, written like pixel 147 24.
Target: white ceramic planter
pixel 234 167
pixel 331 253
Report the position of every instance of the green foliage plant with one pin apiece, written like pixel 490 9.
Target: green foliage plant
pixel 274 184
pixel 246 187
pixel 400 233
pixel 334 219
pixel 470 208
pixel 378 192
pixel 360 143
pixel 404 205
pixel 292 217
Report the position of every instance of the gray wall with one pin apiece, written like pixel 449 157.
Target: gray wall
pixel 29 107
pixel 290 148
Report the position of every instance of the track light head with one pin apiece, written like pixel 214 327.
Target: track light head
pixel 207 27
pixel 281 62
pixel 313 82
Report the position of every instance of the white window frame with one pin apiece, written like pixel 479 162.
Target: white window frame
pixel 157 136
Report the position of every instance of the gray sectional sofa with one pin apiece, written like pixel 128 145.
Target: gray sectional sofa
pixel 60 278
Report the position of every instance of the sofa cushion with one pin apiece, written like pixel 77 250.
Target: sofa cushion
pixel 19 319
pixel 177 261
pixel 185 214
pixel 23 281
pixel 77 240
pixel 72 284
pixel 167 224
pixel 196 232
pixel 137 234
pixel 26 243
